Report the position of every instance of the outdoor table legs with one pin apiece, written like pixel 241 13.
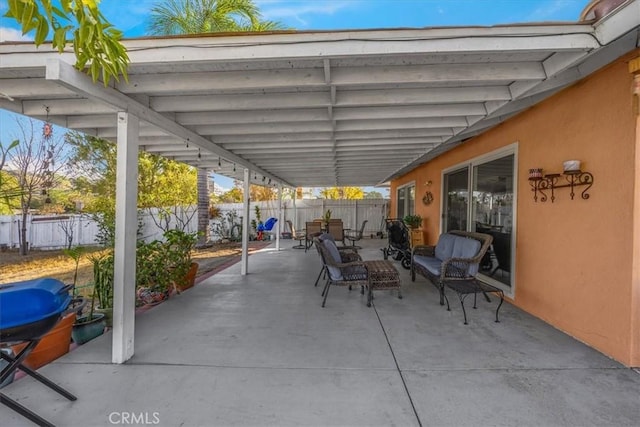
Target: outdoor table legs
pixel 382 275
pixel 466 287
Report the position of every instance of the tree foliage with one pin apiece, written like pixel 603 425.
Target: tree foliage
pixel 207 16
pixel 257 193
pixel 342 193
pixel 8 183
pixel 373 195
pixel 36 163
pixel 161 182
pixel 96 43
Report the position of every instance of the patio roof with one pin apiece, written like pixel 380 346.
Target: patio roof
pixel 340 108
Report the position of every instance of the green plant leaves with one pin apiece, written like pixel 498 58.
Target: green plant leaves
pixel 95 41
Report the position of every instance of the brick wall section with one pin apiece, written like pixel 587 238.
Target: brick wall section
pixel 203 205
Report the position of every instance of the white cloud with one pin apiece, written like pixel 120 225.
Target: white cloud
pixel 550 10
pixel 272 9
pixel 218 189
pixel 11 34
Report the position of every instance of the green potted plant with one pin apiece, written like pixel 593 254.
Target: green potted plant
pixel 327 217
pixel 413 221
pixel 88 326
pixel 103 285
pixel 152 280
pixel 178 246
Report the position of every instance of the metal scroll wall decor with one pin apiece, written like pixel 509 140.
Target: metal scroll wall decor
pixel 546 185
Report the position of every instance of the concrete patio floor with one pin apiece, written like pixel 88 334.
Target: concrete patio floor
pixel 259 350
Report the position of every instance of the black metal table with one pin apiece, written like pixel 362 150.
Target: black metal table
pixel 465 288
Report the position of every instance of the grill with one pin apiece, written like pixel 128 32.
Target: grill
pixel 28 311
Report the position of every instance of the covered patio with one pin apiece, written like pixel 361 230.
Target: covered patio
pixel 290 109
pixel 259 350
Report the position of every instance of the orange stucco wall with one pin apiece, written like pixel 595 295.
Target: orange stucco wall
pixel 574 258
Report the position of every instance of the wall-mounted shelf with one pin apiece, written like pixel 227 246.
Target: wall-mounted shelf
pixel 551 182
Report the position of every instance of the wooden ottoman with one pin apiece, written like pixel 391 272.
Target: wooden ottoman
pixel 382 275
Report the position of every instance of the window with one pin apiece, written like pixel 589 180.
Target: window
pixel 406 200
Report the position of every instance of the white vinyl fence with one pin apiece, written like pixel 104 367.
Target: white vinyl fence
pixel 53 231
pixel 352 212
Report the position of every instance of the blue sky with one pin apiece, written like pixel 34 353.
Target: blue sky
pixel 131 16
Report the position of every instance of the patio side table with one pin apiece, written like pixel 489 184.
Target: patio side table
pixel 382 276
pixel 466 287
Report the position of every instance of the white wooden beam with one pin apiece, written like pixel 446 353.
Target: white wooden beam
pixel 66 75
pixel 34 88
pixel 394 133
pixel 388 142
pixel 68 106
pixel 222 80
pixel 252 116
pixel 263 128
pixel 252 101
pixel 424 123
pixel 428 74
pixel 301 145
pixel 124 272
pixel 422 96
pixel 288 137
pixel 415 111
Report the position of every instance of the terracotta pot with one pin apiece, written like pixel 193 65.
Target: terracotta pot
pixel 190 278
pixel 52 346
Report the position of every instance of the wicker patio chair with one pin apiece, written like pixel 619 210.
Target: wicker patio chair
pixel 340 273
pixel 346 255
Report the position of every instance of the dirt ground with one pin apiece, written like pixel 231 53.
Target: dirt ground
pixel 15 267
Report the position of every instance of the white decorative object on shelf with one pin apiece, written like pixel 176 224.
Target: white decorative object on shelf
pixel 571 165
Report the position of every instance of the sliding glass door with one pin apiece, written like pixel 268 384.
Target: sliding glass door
pixel 481 197
pixel 456 186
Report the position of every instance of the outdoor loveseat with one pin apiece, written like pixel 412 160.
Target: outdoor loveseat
pixel 454 262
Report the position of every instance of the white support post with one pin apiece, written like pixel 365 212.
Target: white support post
pixel 295 211
pixel 245 223
pixel 124 273
pixel 279 223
